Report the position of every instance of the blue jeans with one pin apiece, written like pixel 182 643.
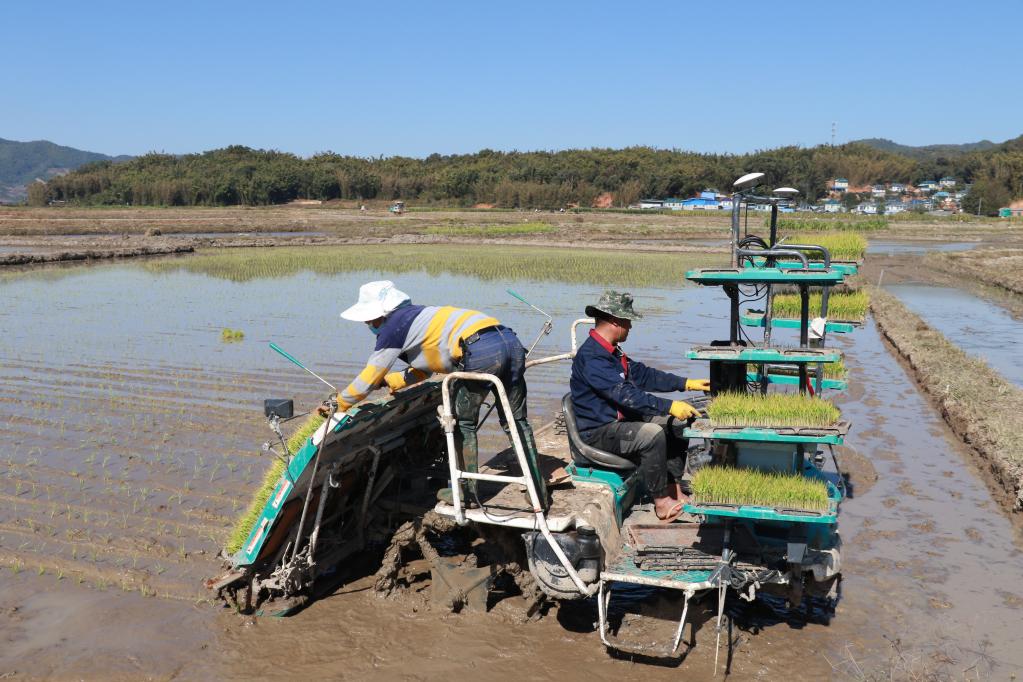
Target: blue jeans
pixel 497 351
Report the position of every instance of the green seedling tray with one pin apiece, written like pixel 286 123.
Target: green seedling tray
pixel 758 513
pixel 756 319
pixel 719 276
pixel 793 380
pixel 833 435
pixel 845 267
pixel 774 355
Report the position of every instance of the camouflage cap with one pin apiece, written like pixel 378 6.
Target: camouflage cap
pixel 614 304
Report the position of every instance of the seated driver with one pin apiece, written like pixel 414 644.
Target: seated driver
pixel 616 412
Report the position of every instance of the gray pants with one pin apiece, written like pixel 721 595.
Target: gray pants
pixel 657 443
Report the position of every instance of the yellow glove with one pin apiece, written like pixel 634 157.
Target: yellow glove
pixel 682 410
pixel 698 385
pixel 395 381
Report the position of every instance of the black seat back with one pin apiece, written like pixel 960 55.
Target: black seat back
pixel 587 455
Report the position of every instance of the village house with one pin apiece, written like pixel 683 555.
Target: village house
pixel 947 182
pixel 839 185
pixel 877 190
pixel 927 185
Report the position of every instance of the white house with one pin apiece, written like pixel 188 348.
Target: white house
pixel 651 203
pixel 947 182
pixel 927 185
pixel 833 206
pixel 877 190
pixel 896 188
pixel 839 185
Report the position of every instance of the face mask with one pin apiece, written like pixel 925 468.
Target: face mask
pixel 375 331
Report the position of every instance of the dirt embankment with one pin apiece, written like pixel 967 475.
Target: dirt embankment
pixel 977 402
pixel 91 254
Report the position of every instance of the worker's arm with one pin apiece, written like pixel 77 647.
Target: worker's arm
pixel 650 379
pixel 655 380
pixel 370 378
pixel 604 375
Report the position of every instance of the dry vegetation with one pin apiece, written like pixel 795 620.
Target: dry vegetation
pixel 998 267
pixel 981 406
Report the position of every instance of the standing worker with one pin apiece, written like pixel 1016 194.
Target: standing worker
pixel 445 339
pixel 614 411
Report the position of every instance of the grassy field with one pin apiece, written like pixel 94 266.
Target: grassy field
pixel 980 405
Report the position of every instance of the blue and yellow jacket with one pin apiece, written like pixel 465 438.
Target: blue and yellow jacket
pixel 426 338
pixel 608 386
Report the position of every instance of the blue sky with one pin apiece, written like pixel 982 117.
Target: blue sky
pixel 415 78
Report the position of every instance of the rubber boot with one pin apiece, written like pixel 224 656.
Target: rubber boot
pixel 470 459
pixel 533 459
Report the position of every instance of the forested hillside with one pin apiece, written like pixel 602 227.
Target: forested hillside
pixel 24 162
pixel 239 175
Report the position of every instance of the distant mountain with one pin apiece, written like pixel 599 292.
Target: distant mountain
pixel 24 162
pixel 928 152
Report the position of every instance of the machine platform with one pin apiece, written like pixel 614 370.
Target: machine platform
pixel 719 276
pixel 703 428
pixel 753 354
pixel 755 318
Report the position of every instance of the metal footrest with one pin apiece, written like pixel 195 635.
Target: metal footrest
pixel 651 649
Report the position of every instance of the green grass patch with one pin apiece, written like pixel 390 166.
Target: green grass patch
pixel 490 230
pixel 247 520
pixel 727 485
pixel 842 305
pixel 229 335
pixel 842 245
pixel 817 224
pixel 772 410
pixel 586 266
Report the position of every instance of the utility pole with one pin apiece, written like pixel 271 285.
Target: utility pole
pixel 834 126
pixel 980 205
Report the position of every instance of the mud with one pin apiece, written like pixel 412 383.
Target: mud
pixel 131 438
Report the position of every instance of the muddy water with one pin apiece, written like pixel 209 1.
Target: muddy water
pixel 129 429
pixel 974 324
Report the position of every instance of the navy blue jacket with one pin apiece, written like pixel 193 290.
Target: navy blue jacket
pixel 600 390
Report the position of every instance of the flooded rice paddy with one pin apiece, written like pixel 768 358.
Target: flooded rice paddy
pixel 974 324
pixel 131 438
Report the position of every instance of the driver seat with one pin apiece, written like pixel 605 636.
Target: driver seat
pixel 587 455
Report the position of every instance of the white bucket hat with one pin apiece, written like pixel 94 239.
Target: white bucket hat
pixel 376 299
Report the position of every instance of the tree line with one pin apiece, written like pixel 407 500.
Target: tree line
pixel 242 176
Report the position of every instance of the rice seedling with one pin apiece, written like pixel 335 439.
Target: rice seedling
pixel 230 335
pixel 587 266
pixel 243 526
pixel 772 410
pixel 490 230
pixel 842 305
pixel 728 485
pixel 841 245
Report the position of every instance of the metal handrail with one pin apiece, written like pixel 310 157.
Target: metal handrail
pixel 774 253
pixel 563 356
pixel 812 247
pixel 447 419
